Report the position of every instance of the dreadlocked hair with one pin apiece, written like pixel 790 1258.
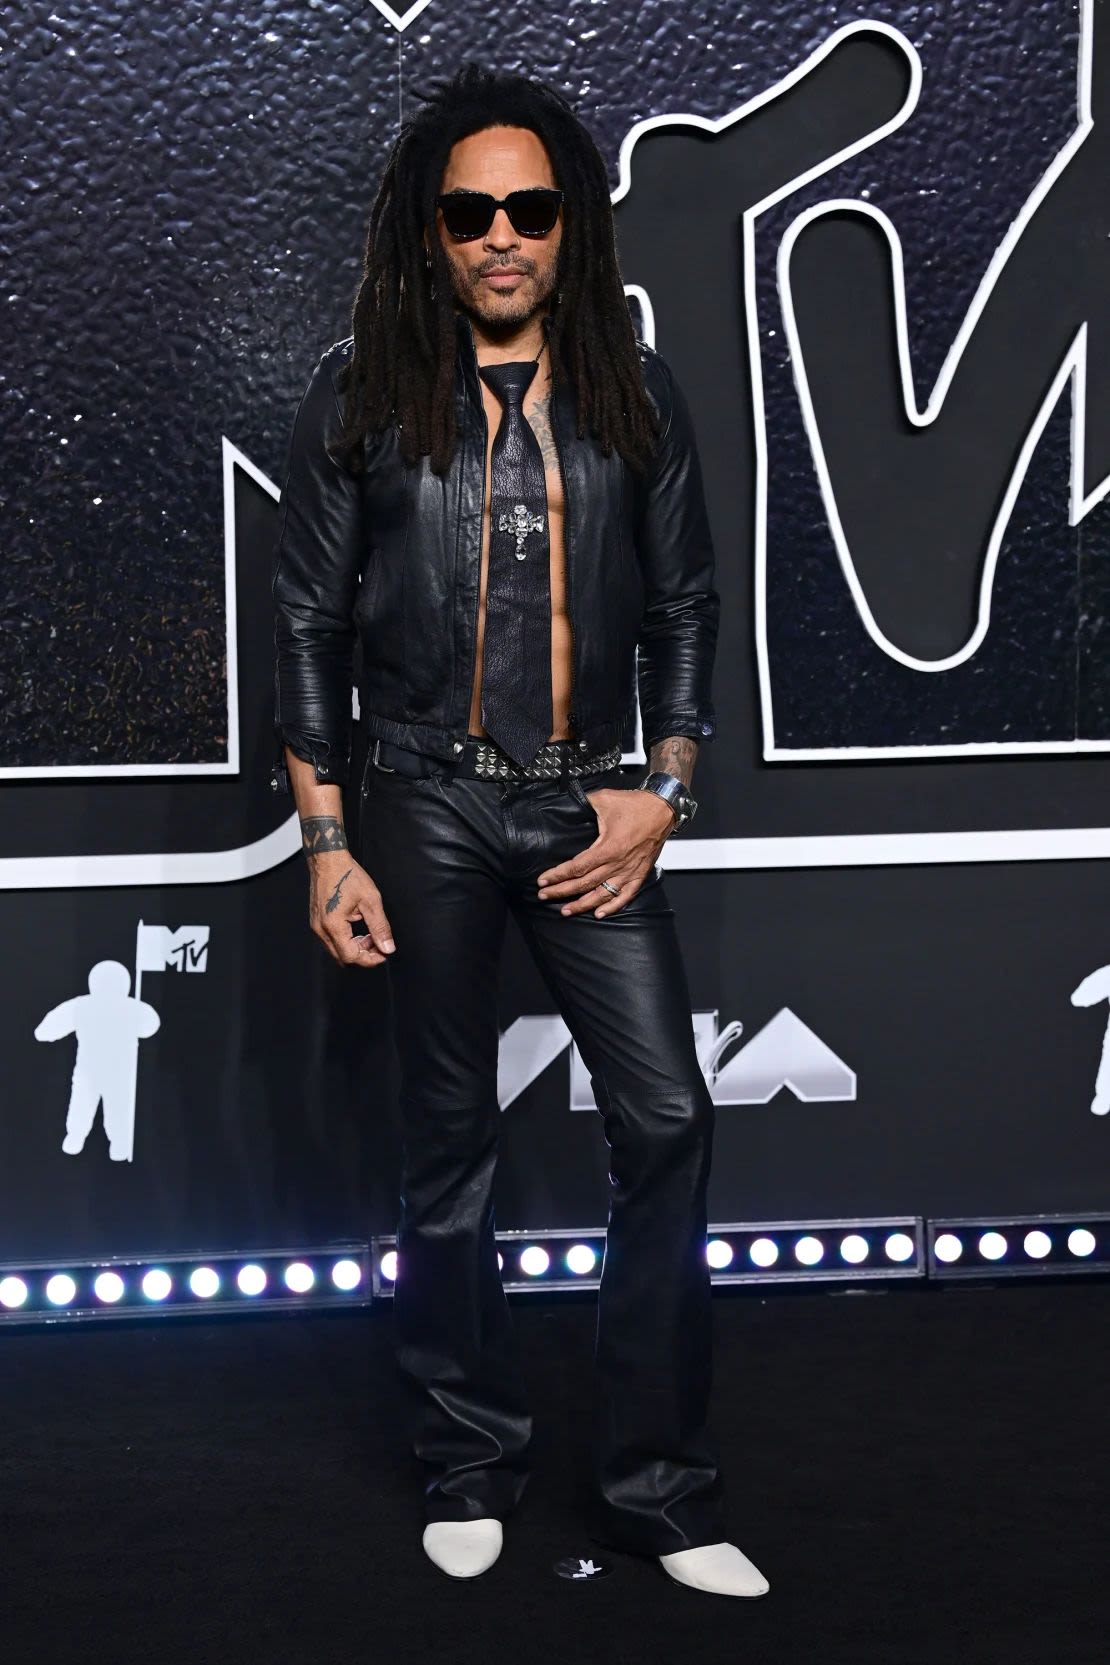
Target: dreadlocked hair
pixel 404 320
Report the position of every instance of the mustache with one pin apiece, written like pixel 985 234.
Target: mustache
pixel 526 266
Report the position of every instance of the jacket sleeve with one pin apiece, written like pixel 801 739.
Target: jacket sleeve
pixel 678 633
pixel 316 573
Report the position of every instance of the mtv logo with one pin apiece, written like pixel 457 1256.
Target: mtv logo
pixel 157 948
pixel 785 1053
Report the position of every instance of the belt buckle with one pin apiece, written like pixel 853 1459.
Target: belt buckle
pixel 384 767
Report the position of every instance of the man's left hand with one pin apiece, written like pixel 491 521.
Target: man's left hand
pixel 632 829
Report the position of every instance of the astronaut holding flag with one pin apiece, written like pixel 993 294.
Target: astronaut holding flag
pixel 109 1023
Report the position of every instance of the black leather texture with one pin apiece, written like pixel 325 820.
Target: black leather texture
pixel 453 858
pixel 516 655
pixel 393 559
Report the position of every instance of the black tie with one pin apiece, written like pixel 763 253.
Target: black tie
pixel 516 653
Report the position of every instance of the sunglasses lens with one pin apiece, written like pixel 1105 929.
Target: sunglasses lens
pixel 533 213
pixel 467 215
pixel 470 213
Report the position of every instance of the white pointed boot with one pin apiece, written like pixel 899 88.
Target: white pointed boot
pixel 463 1548
pixel 721 1568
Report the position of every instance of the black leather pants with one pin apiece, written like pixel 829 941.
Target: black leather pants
pixel 451 856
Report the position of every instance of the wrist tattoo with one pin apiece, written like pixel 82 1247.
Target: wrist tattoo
pixel 675 756
pixel 322 832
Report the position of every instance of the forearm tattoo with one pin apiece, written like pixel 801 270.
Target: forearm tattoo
pixel 675 756
pixel 322 832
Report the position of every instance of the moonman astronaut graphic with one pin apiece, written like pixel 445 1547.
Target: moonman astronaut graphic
pixel 109 1023
pixel 1091 990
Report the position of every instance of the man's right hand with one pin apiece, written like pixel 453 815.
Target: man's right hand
pixel 339 890
pixel 339 893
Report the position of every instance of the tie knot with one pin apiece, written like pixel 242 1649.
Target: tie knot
pixel 509 381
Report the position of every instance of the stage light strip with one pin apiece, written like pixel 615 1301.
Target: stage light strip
pixel 161 1286
pixel 1018 1245
pixel 775 1251
pixel 352 1274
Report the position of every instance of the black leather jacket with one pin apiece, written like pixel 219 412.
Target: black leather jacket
pixel 395 556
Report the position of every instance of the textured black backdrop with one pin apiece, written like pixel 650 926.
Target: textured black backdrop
pixel 184 199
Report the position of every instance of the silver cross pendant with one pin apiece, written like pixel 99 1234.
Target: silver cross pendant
pixel 521 522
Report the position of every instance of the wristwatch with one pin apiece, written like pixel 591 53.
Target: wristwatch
pixel 673 792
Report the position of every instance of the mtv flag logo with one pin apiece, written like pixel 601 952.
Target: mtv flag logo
pixel 157 948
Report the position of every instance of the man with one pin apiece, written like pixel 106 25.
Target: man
pixel 497 487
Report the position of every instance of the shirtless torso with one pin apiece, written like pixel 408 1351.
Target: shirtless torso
pixel 537 403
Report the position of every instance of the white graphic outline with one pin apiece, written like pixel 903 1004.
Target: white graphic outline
pixel 1073 366
pixel 400 20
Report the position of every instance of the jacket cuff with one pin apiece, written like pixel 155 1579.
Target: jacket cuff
pixel 702 727
pixel 331 767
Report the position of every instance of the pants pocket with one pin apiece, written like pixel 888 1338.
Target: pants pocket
pixel 578 792
pixel 375 776
pixel 579 785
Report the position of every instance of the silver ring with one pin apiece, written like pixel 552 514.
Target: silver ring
pixel 612 889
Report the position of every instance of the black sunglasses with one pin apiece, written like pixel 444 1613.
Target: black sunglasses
pixel 469 214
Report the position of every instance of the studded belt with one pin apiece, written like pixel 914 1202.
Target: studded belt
pixel 484 760
pixel 554 759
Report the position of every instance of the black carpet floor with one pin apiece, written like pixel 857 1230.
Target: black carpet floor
pixel 921 1473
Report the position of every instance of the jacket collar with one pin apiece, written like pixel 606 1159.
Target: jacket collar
pixel 464 334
